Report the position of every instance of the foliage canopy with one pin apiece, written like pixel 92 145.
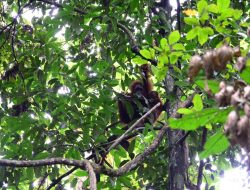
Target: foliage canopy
pixel 64 63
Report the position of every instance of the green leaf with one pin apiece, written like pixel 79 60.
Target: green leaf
pixel 192 21
pixel 223 4
pixel 122 152
pixel 209 126
pixel 201 6
pixel 208 30
pixel 41 155
pixel 73 154
pixel 139 61
pixel 146 53
pixel 152 52
pixel 237 14
pixel 185 111
pixel 212 84
pixel 158 49
pixel 126 181
pixel 29 173
pixel 100 66
pixel 163 59
pixel 215 145
pixel 163 43
pixel 212 8
pixel 245 75
pixel 178 46
pixel 80 173
pixel 197 101
pixel 200 118
pixel 227 13
pixel 174 37
pixel 117 159
pixel 17 123
pixel 159 73
pixel 192 33
pixel 173 58
pixel 202 37
pixel 134 4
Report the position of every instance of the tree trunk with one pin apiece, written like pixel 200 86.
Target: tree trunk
pixel 178 148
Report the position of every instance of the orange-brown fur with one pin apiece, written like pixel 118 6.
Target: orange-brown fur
pixel 140 92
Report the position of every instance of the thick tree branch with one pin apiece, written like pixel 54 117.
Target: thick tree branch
pixel 124 136
pixel 92 176
pixel 84 164
pixel 93 168
pixel 43 162
pixel 104 146
pixel 141 157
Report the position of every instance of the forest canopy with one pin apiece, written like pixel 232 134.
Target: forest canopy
pixel 137 94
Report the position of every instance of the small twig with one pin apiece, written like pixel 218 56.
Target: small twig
pixel 12 43
pixel 117 141
pixel 13 24
pixel 58 5
pixel 102 147
pixel 201 166
pixel 5 27
pixel 131 36
pixel 6 39
pixel 112 125
pixel 59 179
pixel 134 46
pixel 42 180
pixel 205 179
pixel 14 53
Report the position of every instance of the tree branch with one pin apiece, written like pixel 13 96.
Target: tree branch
pixel 84 164
pixel 178 12
pixel 131 37
pixel 117 141
pixel 77 10
pixel 201 166
pixel 56 181
pixel 14 20
pixel 134 46
pixel 93 168
pixel 92 176
pixel 141 157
